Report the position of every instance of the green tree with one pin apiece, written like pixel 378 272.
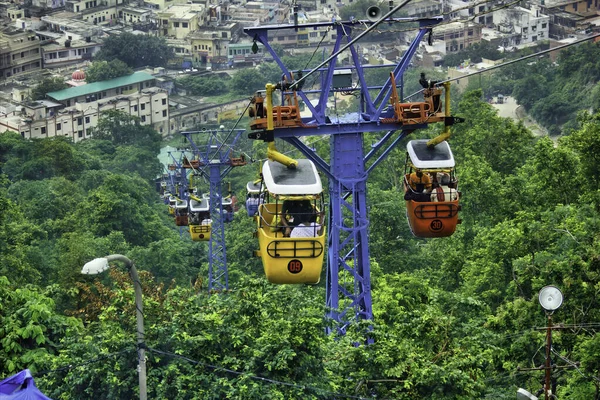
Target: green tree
pixel 136 50
pixel 124 129
pixel 47 85
pixel 105 70
pixel 247 81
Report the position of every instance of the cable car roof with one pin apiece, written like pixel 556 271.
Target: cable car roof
pixel 281 180
pixel 198 206
pixel 423 157
pixel 253 187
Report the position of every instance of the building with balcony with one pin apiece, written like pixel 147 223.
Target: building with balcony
pixel 19 52
pixel 456 36
pixel 178 21
pixel 65 52
pixel 525 25
pixel 43 119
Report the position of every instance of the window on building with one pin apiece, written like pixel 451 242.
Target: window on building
pixel 58 127
pixel 80 134
pixel 79 121
pixel 164 113
pixel 135 108
pixel 176 24
pixel 43 130
pixel 143 118
pixel 184 24
pixel 164 102
pixel 142 106
pixel 87 120
pixel 544 26
pixel 224 35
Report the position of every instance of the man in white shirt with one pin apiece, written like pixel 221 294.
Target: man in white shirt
pixel 308 228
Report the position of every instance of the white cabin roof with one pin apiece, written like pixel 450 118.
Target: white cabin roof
pixel 423 157
pixel 198 206
pixel 253 187
pixel 302 180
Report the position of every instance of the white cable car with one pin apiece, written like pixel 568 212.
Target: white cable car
pixel 291 230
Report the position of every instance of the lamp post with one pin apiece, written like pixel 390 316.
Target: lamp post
pixel 550 298
pixel 99 265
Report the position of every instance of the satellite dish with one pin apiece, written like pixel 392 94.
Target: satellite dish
pixel 550 298
pixel 523 394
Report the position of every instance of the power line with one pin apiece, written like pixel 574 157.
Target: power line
pixel 513 61
pixel 259 378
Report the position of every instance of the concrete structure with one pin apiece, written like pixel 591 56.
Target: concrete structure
pixel 42 119
pixel 66 52
pixel 91 92
pixel 457 36
pixel 522 25
pixel 178 21
pixel 19 52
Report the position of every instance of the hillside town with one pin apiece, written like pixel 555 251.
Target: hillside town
pixel 58 38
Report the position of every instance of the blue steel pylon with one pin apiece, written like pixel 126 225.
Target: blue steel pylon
pixel 347 168
pixel 214 163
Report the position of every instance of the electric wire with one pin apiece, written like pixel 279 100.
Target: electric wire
pixel 258 378
pixel 504 64
pixel 84 363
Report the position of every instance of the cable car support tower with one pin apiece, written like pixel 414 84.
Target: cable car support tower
pixel 348 297
pixel 213 162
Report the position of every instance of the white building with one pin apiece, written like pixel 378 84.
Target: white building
pixel 527 25
pixel 73 112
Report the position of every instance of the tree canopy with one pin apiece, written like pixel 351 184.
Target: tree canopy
pixel 47 85
pixel 136 50
pixel 105 70
pixel 454 318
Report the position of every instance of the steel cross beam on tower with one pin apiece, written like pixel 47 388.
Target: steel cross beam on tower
pixel 348 297
pixel 214 162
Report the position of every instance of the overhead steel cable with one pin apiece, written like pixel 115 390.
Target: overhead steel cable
pixel 504 64
pixel 350 43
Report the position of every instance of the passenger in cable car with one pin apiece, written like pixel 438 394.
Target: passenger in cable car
pixel 444 191
pixel 293 212
pixel 420 183
pixel 205 218
pixel 309 227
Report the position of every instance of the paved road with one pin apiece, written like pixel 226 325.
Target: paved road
pixel 510 109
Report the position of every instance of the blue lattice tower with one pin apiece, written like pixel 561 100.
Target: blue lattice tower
pixel 348 297
pixel 214 161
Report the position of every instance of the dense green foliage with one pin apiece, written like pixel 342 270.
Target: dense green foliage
pixel 46 86
pixel 105 70
pixel 552 92
pixel 454 318
pixel 136 50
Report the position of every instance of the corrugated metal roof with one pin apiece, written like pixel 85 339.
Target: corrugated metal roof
pixel 96 87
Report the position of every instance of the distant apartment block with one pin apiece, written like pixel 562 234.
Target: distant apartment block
pixel 522 25
pixel 19 52
pixel 178 21
pixel 75 111
pixel 456 36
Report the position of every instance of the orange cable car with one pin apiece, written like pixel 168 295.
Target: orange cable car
pixel 430 189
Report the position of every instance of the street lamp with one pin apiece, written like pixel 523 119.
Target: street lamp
pixel 550 298
pixel 99 265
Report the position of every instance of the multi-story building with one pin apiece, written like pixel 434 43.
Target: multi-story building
pixel 65 52
pixel 75 111
pixel 91 92
pixel 19 52
pixel 178 21
pixel 528 26
pixel 457 36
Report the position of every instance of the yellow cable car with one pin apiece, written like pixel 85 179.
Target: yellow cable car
pixel 291 231
pixel 199 219
pixel 430 189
